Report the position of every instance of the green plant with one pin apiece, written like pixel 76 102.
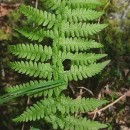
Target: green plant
pixel 67 24
pixel 29 88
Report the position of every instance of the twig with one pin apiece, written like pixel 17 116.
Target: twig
pixel 23 126
pixel 109 105
pixel 71 87
pixel 86 90
pixel 94 116
pixel 2 72
pixel 28 102
pixel 36 4
pixel 10 5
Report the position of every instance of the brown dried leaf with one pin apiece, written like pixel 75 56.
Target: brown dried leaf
pixel 6 8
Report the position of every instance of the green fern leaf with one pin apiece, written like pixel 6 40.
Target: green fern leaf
pixel 56 4
pixel 78 73
pixel 51 92
pixel 72 123
pixel 64 105
pixel 21 86
pixel 38 16
pixel 28 86
pixel 81 58
pixel 81 14
pixel 30 68
pixel 32 52
pixel 81 29
pixel 74 44
pixel 37 34
pixel 84 3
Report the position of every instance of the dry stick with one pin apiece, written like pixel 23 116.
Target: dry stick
pixel 36 4
pixel 28 102
pixel 87 90
pixel 95 114
pixel 23 126
pixel 109 105
pixel 10 5
pixel 2 72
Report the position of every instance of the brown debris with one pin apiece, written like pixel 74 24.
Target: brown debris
pixel 5 9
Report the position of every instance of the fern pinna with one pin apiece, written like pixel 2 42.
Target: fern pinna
pixel 68 23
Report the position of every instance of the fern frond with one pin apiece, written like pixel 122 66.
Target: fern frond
pixel 74 44
pixel 84 3
pixel 81 14
pixel 31 89
pixel 80 72
pixel 64 105
pixel 56 4
pixel 51 92
pixel 32 52
pixel 21 86
pixel 66 24
pixel 68 105
pixel 72 123
pixel 38 16
pixel 38 110
pixel 37 34
pixel 81 29
pixel 35 69
pixel 82 58
pixel 46 93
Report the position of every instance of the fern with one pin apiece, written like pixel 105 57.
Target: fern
pixel 35 69
pixel 36 85
pixel 63 105
pixel 69 44
pixel 31 52
pixel 81 14
pixel 81 72
pixel 39 17
pixel 66 22
pixel 56 4
pixel 29 88
pixel 70 122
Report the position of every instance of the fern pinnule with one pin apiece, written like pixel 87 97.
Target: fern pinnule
pixel 35 69
pixel 37 34
pixel 32 52
pixel 55 4
pixel 84 3
pixel 78 73
pixel 38 16
pixel 81 58
pixel 81 29
pixel 73 123
pixel 81 15
pixel 37 84
pixel 74 44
